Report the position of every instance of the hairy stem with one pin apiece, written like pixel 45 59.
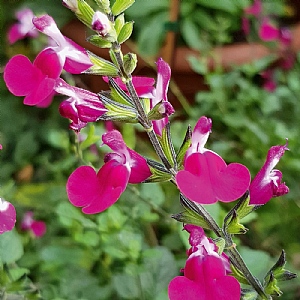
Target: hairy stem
pixel 145 122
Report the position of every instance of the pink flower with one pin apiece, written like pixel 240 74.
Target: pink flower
pixel 205 275
pixel 160 93
pixel 267 183
pixel 100 23
pixel 255 9
pixel 24 27
pixel 7 216
pixel 72 57
pixel 96 192
pixel 38 228
pixel 203 245
pixel 82 107
pixel 144 88
pixel 206 178
pixel 268 32
pixel 34 81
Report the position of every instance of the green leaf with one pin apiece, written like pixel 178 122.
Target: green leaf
pixel 121 5
pixel 119 23
pixel 98 41
pixel 91 138
pixel 191 34
pixel 11 248
pixel 159 268
pixel 158 171
pixel 155 29
pixel 191 214
pixel 125 32
pixel 226 5
pixel 86 13
pixel 101 66
pixel 16 273
pixel 184 146
pixel 67 214
pixel 118 111
pixel 166 144
pixel 118 94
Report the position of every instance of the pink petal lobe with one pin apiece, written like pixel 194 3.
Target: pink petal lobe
pixel 14 34
pixel 95 193
pixel 227 287
pixel 48 62
pixel 45 89
pixel 82 186
pixel 21 76
pixel 181 288
pixel 139 168
pixel 206 179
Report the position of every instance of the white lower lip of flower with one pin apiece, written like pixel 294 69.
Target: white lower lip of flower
pixel 3 205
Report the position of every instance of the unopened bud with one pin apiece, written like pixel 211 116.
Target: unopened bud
pixel 104 5
pixel 130 62
pixel 100 23
pixel 161 110
pixel 71 4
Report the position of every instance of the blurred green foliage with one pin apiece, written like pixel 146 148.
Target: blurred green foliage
pixel 132 250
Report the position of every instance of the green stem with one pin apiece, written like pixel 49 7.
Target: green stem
pixel 145 122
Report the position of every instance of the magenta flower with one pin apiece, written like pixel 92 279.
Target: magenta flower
pixel 206 178
pixel 7 216
pixel 269 80
pixel 200 243
pixel 37 228
pixel 144 88
pixel 34 81
pixel 205 272
pixel 267 183
pixel 95 192
pixel 82 107
pixel 160 93
pixel 255 9
pixel 24 27
pixel 72 57
pixel 100 23
pixel 268 32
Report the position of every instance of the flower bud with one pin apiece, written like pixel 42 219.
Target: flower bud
pixel 161 110
pixel 130 62
pixel 100 23
pixel 71 4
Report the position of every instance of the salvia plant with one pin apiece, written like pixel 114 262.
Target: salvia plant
pixel 214 268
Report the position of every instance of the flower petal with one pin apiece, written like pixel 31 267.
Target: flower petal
pixel 181 288
pixel 20 76
pixel 44 90
pixel 206 179
pixel 95 193
pixel 48 62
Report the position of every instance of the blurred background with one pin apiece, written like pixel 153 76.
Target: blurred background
pixel 224 66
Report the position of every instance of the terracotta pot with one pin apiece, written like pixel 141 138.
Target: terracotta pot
pixel 187 80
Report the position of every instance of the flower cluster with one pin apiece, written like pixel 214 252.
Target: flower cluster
pixel 200 174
